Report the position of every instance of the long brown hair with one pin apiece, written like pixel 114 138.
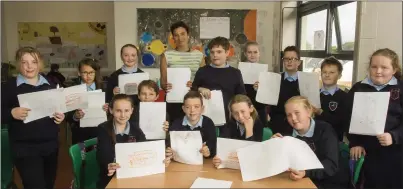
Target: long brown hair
pixel 392 55
pixel 239 99
pixel 33 52
pixel 110 127
pixel 93 63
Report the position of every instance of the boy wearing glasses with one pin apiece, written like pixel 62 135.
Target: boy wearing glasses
pixel 288 88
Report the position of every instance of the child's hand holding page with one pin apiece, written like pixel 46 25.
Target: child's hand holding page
pixel 296 175
pixel 165 126
pixel 205 150
pixel 112 168
pixel 216 161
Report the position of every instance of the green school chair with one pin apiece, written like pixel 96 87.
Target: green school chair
pixel 7 166
pixel 267 133
pixel 217 131
pixel 345 154
pixel 85 164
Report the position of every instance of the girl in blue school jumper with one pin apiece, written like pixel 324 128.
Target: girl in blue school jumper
pixel 89 73
pixel 383 153
pixel 118 130
pixel 244 124
pixel 322 139
pixel 129 54
pixel 34 145
pixel 252 54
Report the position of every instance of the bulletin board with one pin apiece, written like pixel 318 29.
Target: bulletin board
pixel 65 43
pixel 154 35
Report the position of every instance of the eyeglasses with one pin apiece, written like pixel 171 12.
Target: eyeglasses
pixel 88 73
pixel 290 59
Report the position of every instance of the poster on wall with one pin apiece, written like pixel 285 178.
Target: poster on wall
pixel 154 35
pixel 65 43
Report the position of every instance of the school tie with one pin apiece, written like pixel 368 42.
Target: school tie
pixel 241 130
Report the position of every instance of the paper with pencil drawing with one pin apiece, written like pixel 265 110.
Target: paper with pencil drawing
pixel 269 88
pixel 76 97
pixel 289 153
pixel 210 183
pixel 250 71
pixel 140 159
pixel 214 108
pixel 152 117
pixel 178 77
pixel 42 104
pixel 94 114
pixel 128 83
pixel 366 121
pixel 226 151
pixel 309 87
pixel 186 146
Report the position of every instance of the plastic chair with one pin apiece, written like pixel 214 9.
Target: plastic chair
pixel 87 177
pixel 355 166
pixel 7 166
pixel 267 133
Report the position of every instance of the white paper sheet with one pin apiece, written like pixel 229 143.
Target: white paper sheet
pixel 152 117
pixel 210 183
pixel 42 103
pixel 187 145
pixel 94 114
pixel 369 113
pixel 128 83
pixel 251 71
pixel 289 153
pixel 76 97
pixel 226 151
pixel 309 87
pixel 178 77
pixel 140 159
pixel 269 88
pixel 211 27
pixel 214 108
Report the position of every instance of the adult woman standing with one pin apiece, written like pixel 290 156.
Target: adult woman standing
pixel 182 57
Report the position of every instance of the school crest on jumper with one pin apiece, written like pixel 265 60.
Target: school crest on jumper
pixel 333 105
pixel 395 93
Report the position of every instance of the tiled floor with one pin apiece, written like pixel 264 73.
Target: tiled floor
pixel 64 171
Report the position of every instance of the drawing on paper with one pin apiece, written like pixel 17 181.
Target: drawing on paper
pixel 142 159
pixel 76 98
pixel 131 88
pixel 233 156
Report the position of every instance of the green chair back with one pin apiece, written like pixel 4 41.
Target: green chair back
pixel 7 165
pixel 91 169
pixel 267 133
pixel 345 154
pixel 217 131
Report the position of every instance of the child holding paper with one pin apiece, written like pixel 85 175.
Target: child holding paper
pixel 322 139
pixel 194 59
pixel 89 73
pixel 252 54
pixel 383 153
pixel 34 145
pixel 331 97
pixel 148 92
pixel 118 130
pixel 195 121
pixel 288 88
pixel 129 54
pixel 219 75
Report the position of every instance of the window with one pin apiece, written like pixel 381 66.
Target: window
pixel 327 29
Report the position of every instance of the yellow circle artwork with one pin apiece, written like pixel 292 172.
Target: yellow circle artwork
pixel 157 47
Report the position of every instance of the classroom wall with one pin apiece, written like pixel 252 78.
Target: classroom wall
pixel 379 25
pixel 36 11
pixel 126 24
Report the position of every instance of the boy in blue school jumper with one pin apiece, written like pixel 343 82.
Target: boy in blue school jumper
pixel 129 54
pixel 195 121
pixel 383 153
pixel 219 75
pixel 117 130
pixel 333 99
pixel 34 145
pixel 89 72
pixel 244 123
pixel 288 88
pixel 322 139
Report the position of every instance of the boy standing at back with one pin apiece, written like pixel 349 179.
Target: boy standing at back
pixel 219 75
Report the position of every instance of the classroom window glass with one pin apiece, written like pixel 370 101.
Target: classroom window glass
pixel 313 31
pixel 347 19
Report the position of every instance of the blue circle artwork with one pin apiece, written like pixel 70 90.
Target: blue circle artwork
pixel 206 50
pixel 146 37
pixel 147 59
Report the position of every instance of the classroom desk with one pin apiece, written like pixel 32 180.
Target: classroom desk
pixel 179 175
